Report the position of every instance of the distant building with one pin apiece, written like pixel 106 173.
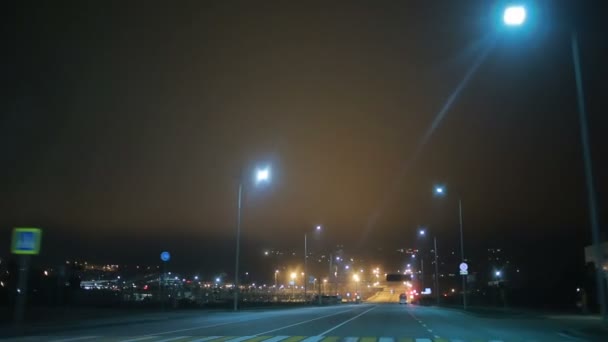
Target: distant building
pixel 590 255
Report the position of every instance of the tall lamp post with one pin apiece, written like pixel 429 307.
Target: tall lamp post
pixel 422 232
pixel 293 284
pixel 317 228
pixel 440 191
pixel 515 16
pixel 261 176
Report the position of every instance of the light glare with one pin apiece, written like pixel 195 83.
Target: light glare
pixel 514 15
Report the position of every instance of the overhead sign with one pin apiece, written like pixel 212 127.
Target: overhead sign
pixel 464 268
pixel 26 241
pixel 165 256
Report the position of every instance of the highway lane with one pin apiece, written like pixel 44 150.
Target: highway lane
pixel 348 323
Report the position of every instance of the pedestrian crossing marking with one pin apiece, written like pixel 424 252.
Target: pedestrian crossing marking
pixel 223 339
pixel 261 338
pixel 294 339
pixel 405 339
pixel 331 339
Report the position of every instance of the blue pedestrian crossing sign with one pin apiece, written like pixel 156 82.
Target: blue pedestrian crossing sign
pixel 26 241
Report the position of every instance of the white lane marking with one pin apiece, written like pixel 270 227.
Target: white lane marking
pixel 423 340
pixel 303 322
pixel 570 337
pixel 75 338
pixel 313 339
pixel 348 339
pixel 139 339
pixel 276 338
pixel 239 339
pixel 205 339
pixel 348 320
pixel 436 336
pixel 386 339
pixel 172 339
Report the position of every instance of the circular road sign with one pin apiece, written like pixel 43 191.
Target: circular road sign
pixel 165 256
pixel 464 267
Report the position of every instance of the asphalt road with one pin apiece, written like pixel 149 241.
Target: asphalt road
pixel 372 322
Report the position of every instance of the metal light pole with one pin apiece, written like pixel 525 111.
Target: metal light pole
pixel 276 273
pixel 261 176
pixel 305 265
pixel 422 272
pixel 464 277
pixel 306 261
pixel 436 271
pixel 595 229
pixel 238 245
pixel 516 16
pixel 440 191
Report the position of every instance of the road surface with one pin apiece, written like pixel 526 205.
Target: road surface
pixel 371 322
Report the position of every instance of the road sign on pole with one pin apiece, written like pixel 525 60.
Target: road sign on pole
pixel 165 256
pixel 464 268
pixel 26 241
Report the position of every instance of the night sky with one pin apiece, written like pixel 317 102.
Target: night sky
pixel 124 125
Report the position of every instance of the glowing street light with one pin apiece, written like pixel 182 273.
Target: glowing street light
pixel 261 175
pixel 317 228
pixel 514 15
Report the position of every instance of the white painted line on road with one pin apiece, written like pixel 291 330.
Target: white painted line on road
pixel 436 336
pixel 139 339
pixel 276 339
pixel 172 339
pixel 386 339
pixel 303 322
pixel 349 339
pixel 313 339
pixel 570 337
pixel 206 339
pixel 348 320
pixel 430 330
pixel 423 340
pixel 76 338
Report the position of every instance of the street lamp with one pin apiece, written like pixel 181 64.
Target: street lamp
pixel 440 191
pixel 516 16
pixel 422 232
pixel 317 228
pixel 356 280
pixel 276 274
pixel 293 284
pixel 261 175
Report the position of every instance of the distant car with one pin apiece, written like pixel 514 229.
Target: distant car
pixel 403 298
